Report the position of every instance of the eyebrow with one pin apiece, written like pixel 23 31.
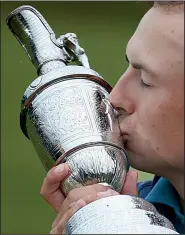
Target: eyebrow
pixel 140 66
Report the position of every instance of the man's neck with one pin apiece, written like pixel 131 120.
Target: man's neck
pixel 178 183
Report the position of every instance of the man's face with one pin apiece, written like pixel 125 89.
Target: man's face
pixel 150 94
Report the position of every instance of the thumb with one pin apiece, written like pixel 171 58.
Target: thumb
pixel 50 189
pixel 130 186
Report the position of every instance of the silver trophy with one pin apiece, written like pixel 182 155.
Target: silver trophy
pixel 66 114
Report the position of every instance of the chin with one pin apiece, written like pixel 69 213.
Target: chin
pixel 145 160
pixel 137 161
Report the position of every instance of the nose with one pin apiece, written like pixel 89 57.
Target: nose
pixel 121 97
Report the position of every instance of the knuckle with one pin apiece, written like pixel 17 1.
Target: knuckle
pixel 71 205
pixel 89 198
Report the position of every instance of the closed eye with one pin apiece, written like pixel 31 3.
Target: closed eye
pixel 143 67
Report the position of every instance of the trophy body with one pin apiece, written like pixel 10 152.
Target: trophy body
pixel 72 121
pixel 66 114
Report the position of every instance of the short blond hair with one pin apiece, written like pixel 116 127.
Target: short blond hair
pixel 169 5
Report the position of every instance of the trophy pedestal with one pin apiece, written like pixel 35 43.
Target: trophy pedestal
pixel 120 214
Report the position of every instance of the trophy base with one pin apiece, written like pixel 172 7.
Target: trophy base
pixel 120 214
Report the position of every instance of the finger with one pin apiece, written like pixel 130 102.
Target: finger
pixel 61 214
pixel 74 195
pixel 59 228
pixel 87 199
pixel 79 193
pixel 50 189
pixel 130 186
pixel 108 193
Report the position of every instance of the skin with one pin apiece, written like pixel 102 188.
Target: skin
pixel 150 100
pixel 152 117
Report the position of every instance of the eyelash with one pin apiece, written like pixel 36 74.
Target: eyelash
pixel 143 84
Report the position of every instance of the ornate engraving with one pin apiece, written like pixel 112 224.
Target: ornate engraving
pixel 61 114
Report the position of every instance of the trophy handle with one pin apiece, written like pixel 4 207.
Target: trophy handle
pixel 69 43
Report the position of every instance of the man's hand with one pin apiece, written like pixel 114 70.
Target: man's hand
pixel 78 197
pixel 50 190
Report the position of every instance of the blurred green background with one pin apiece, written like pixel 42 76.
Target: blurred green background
pixel 104 29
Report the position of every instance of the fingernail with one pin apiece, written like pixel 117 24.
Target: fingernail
pixel 59 169
pixel 107 193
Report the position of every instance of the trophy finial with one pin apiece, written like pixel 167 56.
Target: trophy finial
pixel 70 43
pixel 38 40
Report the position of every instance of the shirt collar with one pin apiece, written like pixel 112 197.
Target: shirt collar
pixel 163 192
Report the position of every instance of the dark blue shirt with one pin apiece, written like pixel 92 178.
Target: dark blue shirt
pixel 161 193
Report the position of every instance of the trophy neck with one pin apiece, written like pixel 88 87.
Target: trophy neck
pixel 37 38
pixel 50 65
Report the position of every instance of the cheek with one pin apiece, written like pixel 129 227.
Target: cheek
pixel 160 124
